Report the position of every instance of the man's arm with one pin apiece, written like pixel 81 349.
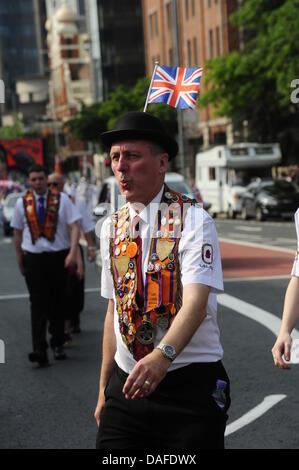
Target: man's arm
pixel 108 364
pixel 154 366
pixel 289 317
pixel 18 236
pixel 91 246
pixel 70 260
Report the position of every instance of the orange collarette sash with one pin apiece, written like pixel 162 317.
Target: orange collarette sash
pixel 162 289
pixel 48 229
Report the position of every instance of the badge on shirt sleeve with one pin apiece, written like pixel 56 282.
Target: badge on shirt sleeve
pixel 207 253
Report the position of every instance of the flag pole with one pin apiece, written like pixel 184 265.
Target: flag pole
pixel 150 87
pixel 182 167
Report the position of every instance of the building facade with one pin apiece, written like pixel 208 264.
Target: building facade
pixel 122 46
pixel 23 57
pixel 204 32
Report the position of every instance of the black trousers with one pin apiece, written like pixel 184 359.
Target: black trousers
pixel 45 277
pixel 181 413
pixel 75 295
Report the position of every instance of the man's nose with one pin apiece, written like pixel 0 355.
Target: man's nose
pixel 122 164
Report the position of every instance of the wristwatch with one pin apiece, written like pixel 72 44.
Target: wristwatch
pixel 167 351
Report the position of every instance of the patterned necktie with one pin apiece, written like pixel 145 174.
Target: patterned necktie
pixel 138 241
pixel 140 350
pixel 41 211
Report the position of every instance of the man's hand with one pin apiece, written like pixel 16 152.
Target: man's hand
pixel 146 375
pixel 281 347
pixel 91 254
pixel 70 260
pixel 99 408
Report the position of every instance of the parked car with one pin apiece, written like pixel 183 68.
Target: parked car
pixel 8 208
pixel 269 198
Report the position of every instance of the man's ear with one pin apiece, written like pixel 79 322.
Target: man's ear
pixel 163 162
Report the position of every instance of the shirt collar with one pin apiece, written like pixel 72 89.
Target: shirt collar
pixel 148 214
pixel 38 195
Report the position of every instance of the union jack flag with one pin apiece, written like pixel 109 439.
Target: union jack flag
pixel 176 86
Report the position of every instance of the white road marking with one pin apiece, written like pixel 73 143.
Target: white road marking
pixel 13 296
pixel 268 402
pixel 247 228
pixel 5 241
pixel 26 296
pixel 257 314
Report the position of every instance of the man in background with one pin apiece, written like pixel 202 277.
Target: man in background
pixel 46 233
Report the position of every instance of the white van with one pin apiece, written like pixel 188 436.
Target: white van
pixel 223 172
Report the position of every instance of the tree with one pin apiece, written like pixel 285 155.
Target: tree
pixel 12 132
pixel 92 120
pixel 255 83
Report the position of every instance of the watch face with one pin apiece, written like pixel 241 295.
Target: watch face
pixel 169 350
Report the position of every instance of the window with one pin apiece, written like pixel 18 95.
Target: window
pixel 193 7
pixel 195 52
pixel 187 9
pixel 153 20
pixel 212 174
pixel 153 25
pixel 81 7
pixel 211 43
pixel 218 41
pixel 189 58
pixel 169 15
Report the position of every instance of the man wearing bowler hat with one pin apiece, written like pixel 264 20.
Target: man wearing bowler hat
pixel 162 382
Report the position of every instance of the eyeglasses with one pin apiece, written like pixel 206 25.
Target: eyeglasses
pixel 53 184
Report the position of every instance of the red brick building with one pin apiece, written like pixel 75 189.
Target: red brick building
pixel 204 33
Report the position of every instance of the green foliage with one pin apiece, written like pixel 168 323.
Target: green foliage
pixel 255 83
pixel 12 132
pixel 92 120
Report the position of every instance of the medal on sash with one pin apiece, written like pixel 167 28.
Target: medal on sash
pixel 162 280
pixel 145 333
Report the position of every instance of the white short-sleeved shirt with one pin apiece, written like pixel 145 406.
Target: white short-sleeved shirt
pixel 295 270
pixel 86 223
pixel 67 214
pixel 200 263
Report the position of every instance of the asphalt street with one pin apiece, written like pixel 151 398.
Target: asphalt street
pixel 52 408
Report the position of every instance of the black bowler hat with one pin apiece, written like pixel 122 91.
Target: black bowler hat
pixel 137 125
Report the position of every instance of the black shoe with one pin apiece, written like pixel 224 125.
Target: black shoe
pixel 41 357
pixel 59 353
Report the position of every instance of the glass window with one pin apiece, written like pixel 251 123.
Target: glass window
pixel 218 40
pixel 195 51
pixel 189 58
pixel 169 15
pixel 81 7
pixel 212 173
pixel 193 7
pixel 187 9
pixel 211 43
